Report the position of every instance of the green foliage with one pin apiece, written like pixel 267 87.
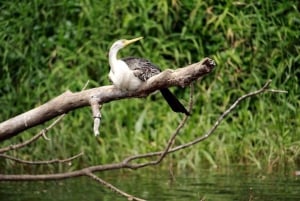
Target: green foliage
pixel 48 47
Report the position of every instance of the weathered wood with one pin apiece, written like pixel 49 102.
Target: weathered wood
pixel 69 101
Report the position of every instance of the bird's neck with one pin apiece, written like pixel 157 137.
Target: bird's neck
pixel 112 58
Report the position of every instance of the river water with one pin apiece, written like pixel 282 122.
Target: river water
pixel 223 185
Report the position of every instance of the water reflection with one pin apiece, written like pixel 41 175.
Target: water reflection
pixel 232 184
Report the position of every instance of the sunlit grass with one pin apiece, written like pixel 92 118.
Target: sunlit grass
pixel 49 47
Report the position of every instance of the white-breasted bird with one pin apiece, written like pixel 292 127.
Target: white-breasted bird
pixel 129 73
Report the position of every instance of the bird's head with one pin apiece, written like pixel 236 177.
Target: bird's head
pixel 123 43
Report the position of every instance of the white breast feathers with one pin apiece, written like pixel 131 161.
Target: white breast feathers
pixel 123 77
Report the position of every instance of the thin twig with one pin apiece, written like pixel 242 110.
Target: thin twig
pixel 33 139
pixel 45 136
pixel 170 141
pixel 41 162
pixel 37 136
pixel 276 91
pixel 113 188
pixel 215 126
pixel 220 119
pixel 85 86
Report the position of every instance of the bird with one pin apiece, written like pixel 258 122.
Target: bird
pixel 128 74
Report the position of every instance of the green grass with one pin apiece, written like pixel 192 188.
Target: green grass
pixel 49 47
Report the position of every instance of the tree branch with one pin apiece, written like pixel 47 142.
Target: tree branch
pixel 170 143
pixel 69 101
pixel 33 139
pixel 113 188
pixel 126 163
pixel 37 136
pixel 45 162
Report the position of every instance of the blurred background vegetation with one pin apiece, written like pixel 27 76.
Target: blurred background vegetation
pixel 48 47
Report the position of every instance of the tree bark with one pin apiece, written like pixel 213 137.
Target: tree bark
pixel 69 101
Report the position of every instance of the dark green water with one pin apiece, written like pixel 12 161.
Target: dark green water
pixel 153 185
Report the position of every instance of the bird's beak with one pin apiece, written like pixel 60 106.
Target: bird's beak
pixel 127 42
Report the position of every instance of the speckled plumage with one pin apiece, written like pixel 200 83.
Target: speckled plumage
pixel 143 69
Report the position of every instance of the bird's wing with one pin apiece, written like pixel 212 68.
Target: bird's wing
pixel 143 69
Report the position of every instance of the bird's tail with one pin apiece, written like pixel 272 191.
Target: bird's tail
pixel 173 101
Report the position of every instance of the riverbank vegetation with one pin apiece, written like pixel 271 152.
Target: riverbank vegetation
pixel 48 47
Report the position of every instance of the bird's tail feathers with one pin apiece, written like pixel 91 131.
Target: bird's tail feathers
pixel 173 101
